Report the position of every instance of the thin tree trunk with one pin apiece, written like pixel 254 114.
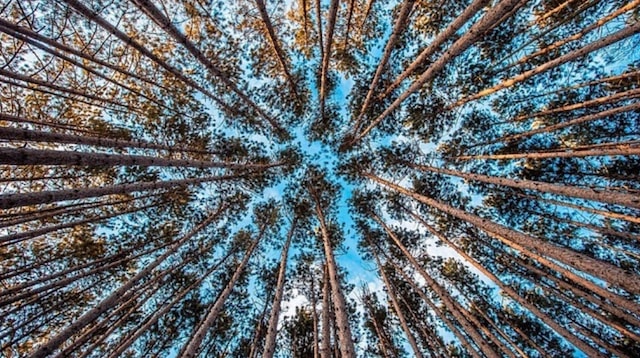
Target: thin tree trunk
pixel 396 307
pixel 450 304
pixel 603 213
pixel 443 36
pixel 579 120
pixel 325 351
pixel 277 48
pixel 6 26
pixel 314 313
pixel 8 201
pixel 270 340
pixel 456 330
pixel 615 149
pixel 10 133
pixel 537 248
pixel 620 35
pixel 71 91
pixel 24 156
pixel 93 16
pixel 164 309
pixel 627 200
pixel 612 98
pixel 14 238
pixel 193 345
pixel 463 43
pixel 556 45
pixel 347 349
pixel 333 10
pixel 543 317
pixel 50 346
pixel 398 28
pixel 165 23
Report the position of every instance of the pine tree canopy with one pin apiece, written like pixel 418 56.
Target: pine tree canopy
pixel 320 178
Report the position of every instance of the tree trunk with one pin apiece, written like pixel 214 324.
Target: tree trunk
pixel 396 308
pixel 469 38
pixel 273 39
pixel 612 98
pixel 628 31
pixel 165 23
pixel 443 36
pixel 71 91
pixel 8 201
pixel 543 317
pixel 614 149
pixel 450 304
pixel 314 313
pixel 164 309
pixel 579 120
pixel 456 330
pixel 23 156
pixel 6 26
pixel 93 16
pixel 627 200
pixel 110 301
pixel 20 134
pixel 193 345
pixel 398 28
pixel 333 10
pixel 536 248
pixel 556 45
pixel 325 351
pixel 347 349
pixel 14 238
pixel 270 340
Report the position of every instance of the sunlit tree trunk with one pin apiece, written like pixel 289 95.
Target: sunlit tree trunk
pixel 193 345
pixel 443 36
pixel 347 348
pixel 398 28
pixel 469 38
pixel 270 340
pixel 548 320
pixel 536 248
pixel 114 298
pixel 46 197
pixel 277 48
pixel 396 308
pixel 157 16
pixel 450 304
pixel 622 34
pixel 627 200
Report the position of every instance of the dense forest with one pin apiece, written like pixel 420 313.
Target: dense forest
pixel 320 178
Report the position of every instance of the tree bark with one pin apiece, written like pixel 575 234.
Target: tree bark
pixel 23 156
pixel 627 200
pixel 396 308
pixel 543 317
pixel 10 133
pixel 270 340
pixel 443 36
pixel 193 345
pixel 93 16
pixel 110 301
pixel 611 274
pixel 462 44
pixel 628 31
pixel 398 28
pixel 450 304
pixel 8 201
pixel 277 48
pixel 165 23
pixel 347 349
